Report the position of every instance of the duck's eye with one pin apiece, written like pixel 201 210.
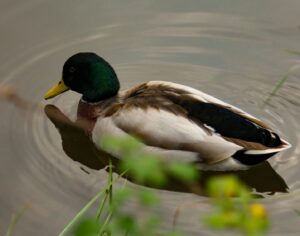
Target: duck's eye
pixel 72 69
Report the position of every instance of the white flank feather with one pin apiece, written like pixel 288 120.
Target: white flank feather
pixel 165 127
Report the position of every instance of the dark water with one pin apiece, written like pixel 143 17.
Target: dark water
pixel 234 50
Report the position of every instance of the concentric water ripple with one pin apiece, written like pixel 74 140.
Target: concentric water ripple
pixel 236 56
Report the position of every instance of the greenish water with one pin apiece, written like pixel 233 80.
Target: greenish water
pixel 234 50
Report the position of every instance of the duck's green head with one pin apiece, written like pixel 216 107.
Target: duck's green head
pixel 88 74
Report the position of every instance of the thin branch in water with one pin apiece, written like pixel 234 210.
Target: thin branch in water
pixel 9 94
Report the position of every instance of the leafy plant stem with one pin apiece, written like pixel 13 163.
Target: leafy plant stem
pixel 105 223
pixel 280 83
pixel 110 182
pixel 15 220
pixel 81 213
pixel 87 206
pixel 101 207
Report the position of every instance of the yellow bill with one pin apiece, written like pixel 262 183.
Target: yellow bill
pixel 56 90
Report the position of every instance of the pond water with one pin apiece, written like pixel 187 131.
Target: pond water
pixel 234 50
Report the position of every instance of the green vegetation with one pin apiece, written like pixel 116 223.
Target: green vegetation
pixel 141 166
pixel 14 220
pixel 280 83
pixel 234 209
pixel 232 200
pixel 283 79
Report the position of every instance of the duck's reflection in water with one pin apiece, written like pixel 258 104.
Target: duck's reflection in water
pixel 78 146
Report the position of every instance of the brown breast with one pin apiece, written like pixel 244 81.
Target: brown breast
pixel 87 115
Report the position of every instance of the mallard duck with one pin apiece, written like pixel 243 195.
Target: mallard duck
pixel 174 121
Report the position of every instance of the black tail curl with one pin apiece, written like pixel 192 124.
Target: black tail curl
pixel 250 159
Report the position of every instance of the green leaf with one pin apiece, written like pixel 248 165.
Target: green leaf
pixel 126 145
pixel 120 197
pixel 87 227
pixel 81 213
pixel 255 227
pixel 225 186
pixel 145 169
pixel 280 83
pixel 15 219
pixel 126 223
pixel 158 178
pixel 152 223
pixel 148 198
pixel 183 171
pixel 216 221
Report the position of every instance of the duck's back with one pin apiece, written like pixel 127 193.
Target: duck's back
pixel 170 116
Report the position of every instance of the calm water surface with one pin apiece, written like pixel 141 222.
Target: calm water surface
pixel 234 50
